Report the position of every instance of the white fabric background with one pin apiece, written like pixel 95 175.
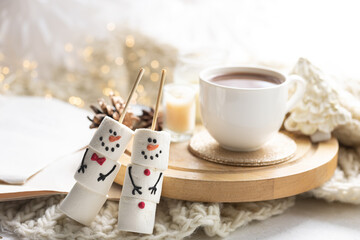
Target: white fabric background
pixel 253 31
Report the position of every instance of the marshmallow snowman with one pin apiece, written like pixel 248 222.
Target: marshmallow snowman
pixel 143 181
pixel 97 171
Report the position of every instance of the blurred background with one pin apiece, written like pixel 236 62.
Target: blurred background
pixel 81 50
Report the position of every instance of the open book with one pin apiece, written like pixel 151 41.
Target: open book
pixel 40 142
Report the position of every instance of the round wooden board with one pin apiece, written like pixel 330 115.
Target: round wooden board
pixel 194 179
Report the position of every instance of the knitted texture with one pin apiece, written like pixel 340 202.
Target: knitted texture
pixel 344 186
pixel 320 108
pixel 40 218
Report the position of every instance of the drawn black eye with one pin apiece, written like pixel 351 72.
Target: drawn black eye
pixel 143 153
pixel 117 145
pixel 115 133
pixel 101 138
pixel 112 149
pixel 149 140
pixel 107 148
pixel 154 141
pixel 110 131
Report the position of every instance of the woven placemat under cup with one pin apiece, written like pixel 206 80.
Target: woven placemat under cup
pixel 277 150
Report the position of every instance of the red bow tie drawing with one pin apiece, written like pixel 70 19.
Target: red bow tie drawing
pixel 95 157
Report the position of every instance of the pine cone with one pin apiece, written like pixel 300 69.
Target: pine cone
pixel 114 111
pixel 147 117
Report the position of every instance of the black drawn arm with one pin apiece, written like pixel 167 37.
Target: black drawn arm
pixel 136 188
pixel 153 189
pixel 102 177
pixel 83 166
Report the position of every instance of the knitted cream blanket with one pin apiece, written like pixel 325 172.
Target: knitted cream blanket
pixel 333 108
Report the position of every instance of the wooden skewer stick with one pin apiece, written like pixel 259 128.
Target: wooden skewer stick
pixel 141 73
pixel 153 125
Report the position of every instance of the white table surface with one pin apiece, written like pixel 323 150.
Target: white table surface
pixel 308 219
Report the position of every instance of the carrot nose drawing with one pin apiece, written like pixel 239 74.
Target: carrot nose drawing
pixel 151 147
pixel 113 138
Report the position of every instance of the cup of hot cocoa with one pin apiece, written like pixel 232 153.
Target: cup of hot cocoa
pixel 243 107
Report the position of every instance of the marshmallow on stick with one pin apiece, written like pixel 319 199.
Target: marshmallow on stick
pixel 98 167
pixel 144 176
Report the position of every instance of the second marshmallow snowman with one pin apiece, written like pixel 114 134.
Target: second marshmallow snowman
pixel 143 181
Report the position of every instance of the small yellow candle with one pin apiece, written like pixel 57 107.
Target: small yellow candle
pixel 180 108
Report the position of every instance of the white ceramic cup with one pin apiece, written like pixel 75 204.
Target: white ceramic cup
pixel 243 119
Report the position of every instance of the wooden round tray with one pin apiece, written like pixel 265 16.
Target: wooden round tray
pixel 194 179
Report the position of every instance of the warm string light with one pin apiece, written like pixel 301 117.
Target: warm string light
pixel 102 64
pixel 119 61
pixel 110 26
pixel 26 73
pixel 68 47
pixel 5 70
pixel 87 54
pixel 154 64
pixel 154 77
pixel 26 64
pixel 107 91
pixel 147 71
pixel 129 41
pixel 105 69
pixel 48 94
pixel 140 88
pixel 29 65
pixel 77 101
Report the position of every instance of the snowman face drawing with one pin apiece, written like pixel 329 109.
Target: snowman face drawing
pixel 151 149
pixel 111 138
pixel 110 141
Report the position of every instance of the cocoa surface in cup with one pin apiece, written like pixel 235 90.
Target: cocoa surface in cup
pixel 246 80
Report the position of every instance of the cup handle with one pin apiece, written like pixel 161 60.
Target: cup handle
pixel 299 92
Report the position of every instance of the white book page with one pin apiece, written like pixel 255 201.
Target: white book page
pixel 35 132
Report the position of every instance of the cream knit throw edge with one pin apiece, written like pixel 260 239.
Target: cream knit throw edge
pixel 40 219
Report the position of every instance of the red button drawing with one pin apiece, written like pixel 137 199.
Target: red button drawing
pixel 141 205
pixel 147 172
